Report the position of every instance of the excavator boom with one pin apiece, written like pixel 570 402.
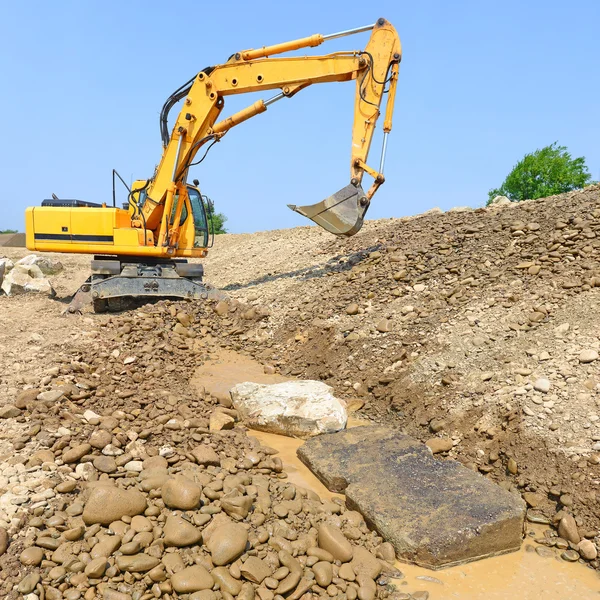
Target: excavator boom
pixel 374 69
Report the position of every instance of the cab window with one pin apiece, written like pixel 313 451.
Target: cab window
pixel 184 212
pixel 200 224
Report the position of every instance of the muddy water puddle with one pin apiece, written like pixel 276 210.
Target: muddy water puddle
pixel 520 575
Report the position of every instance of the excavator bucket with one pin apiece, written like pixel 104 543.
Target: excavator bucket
pixel 341 214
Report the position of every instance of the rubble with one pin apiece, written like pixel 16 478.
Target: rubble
pixel 46 265
pixel 22 279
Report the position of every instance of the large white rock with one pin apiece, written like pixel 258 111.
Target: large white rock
pixel 7 263
pixel 26 278
pixel 293 408
pixel 46 265
pixel 5 266
pixel 500 200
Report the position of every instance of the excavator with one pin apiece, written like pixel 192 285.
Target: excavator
pixel 141 250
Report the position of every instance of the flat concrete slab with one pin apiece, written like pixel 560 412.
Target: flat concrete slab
pixel 436 513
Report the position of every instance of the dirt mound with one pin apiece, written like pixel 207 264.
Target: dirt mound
pixel 476 326
pixel 478 329
pixel 12 240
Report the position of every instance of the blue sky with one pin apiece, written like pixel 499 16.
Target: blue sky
pixel 481 83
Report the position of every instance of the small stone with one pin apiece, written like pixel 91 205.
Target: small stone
pixel 383 326
pixel 512 466
pixel 436 425
pixel 438 445
pixel 255 570
pixel 110 594
pixel 346 572
pixel 204 595
pixel 28 583
pixel 180 533
pixel 4 541
pixel 222 308
pixel 323 573
pixel 96 567
pixel 333 540
pixel 352 309
pixel 220 420
pixel 587 549
pixel 32 556
pixel 66 486
pixel 137 563
pixel 542 385
pixel 192 579
pixel 75 454
pixel 532 499
pixel 8 411
pixel 570 555
pixel 182 493
pixel 588 356
pixel 26 397
pixel 227 543
pixel 109 503
pixel 225 582
pixel 100 439
pixel 140 524
pixel 205 455
pixel 107 544
pixel 237 507
pixel 50 396
pixel 567 529
pixel 105 464
pixel 363 562
pixel 387 552
pixel 544 552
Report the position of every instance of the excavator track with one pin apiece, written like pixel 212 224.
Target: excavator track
pixel 122 283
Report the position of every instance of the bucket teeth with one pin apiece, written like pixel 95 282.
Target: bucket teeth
pixel 341 214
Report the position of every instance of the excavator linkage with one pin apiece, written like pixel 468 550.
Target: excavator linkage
pixel 342 213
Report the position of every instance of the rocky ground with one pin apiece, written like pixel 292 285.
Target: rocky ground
pixel 474 331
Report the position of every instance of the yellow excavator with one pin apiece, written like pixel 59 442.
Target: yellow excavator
pixel 142 249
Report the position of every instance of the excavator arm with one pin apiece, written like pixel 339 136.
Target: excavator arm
pixel 374 69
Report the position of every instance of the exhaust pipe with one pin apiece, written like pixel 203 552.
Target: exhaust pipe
pixel 340 214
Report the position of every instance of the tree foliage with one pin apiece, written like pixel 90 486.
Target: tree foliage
pixel 8 231
pixel 217 220
pixel 218 223
pixel 543 173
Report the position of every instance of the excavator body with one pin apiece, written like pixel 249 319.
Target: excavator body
pixel 141 250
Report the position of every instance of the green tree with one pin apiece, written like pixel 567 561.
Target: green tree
pixel 8 231
pixel 217 220
pixel 543 173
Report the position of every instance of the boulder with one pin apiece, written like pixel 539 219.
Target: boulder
pixel 6 264
pixel 436 513
pixel 46 265
pixel 24 279
pixel 294 408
